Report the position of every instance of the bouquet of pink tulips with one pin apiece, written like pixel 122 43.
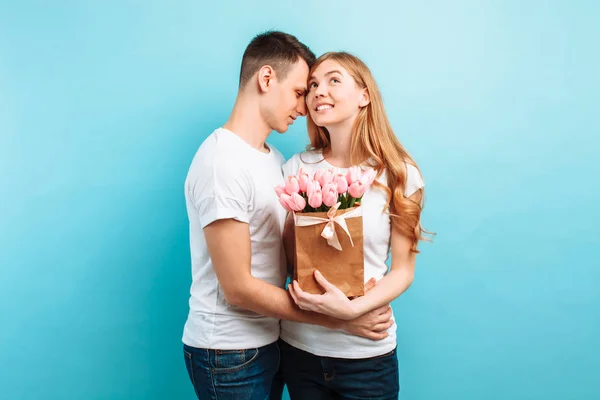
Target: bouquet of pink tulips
pixel 331 199
pixel 321 192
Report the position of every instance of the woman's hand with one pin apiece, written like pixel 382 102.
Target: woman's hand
pixel 333 302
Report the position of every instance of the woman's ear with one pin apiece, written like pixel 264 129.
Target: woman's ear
pixel 364 98
pixel 265 76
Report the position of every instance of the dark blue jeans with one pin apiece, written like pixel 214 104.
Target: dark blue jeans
pixel 313 377
pixel 250 374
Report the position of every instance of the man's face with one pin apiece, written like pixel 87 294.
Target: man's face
pixel 286 98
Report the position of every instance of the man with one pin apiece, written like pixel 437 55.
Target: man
pixel 236 224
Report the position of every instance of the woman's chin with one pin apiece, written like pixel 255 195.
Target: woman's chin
pixel 322 120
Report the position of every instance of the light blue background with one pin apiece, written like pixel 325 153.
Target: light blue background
pixel 103 104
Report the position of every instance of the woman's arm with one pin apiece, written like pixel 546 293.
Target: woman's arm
pixel 334 303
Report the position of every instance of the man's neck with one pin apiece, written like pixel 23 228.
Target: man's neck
pixel 247 123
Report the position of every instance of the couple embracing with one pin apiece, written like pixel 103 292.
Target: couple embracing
pixel 247 335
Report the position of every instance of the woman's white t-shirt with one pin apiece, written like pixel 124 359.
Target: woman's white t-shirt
pixel 327 342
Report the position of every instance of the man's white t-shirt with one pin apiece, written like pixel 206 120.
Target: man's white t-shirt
pixel 230 179
pixel 322 341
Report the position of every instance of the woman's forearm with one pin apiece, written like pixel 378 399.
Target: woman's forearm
pixel 387 289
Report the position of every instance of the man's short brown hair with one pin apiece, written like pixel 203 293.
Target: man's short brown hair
pixel 277 49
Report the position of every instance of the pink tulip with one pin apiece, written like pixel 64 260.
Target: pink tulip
pixel 368 177
pixel 353 175
pixel 330 194
pixel 312 186
pixel 324 176
pixel 279 190
pixel 283 203
pixel 303 179
pixel 315 196
pixel 294 202
pixel 341 182
pixel 299 201
pixel 319 174
pixel 357 189
pixel 292 185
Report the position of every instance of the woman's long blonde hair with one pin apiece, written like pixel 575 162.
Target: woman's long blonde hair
pixel 373 140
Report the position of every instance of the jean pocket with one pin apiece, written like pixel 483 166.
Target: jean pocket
pixel 233 360
pixel 189 365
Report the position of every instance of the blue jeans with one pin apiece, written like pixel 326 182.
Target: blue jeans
pixel 250 374
pixel 311 377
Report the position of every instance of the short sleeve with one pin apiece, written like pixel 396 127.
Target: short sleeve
pixel 414 180
pixel 222 192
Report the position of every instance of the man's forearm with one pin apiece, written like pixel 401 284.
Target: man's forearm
pixel 271 301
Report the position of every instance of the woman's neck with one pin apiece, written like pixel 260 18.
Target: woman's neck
pixel 338 152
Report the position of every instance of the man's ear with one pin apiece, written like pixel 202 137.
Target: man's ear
pixel 265 78
pixel 365 99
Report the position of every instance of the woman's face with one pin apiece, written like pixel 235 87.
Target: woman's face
pixel 333 96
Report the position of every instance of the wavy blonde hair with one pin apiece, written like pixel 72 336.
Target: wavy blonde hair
pixel 373 140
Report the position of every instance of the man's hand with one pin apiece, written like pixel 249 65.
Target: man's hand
pixel 372 325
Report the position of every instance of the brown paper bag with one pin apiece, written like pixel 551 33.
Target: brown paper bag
pixel 344 269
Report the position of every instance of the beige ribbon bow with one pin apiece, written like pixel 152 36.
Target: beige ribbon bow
pixel 329 232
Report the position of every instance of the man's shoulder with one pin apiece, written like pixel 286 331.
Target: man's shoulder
pixel 216 157
pixel 217 141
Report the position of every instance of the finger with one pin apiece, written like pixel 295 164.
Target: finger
pixel 301 305
pixel 298 293
pixel 306 299
pixel 386 309
pixel 324 282
pixel 297 289
pixel 293 293
pixel 375 335
pixel 383 318
pixel 389 324
pixel 381 327
pixel 370 284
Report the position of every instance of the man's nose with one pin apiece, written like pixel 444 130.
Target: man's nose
pixel 301 109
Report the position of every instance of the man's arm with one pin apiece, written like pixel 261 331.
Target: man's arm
pixel 228 243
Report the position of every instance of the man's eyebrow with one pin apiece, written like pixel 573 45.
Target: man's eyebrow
pixel 335 71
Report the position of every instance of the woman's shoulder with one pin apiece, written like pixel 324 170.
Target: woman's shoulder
pixel 414 180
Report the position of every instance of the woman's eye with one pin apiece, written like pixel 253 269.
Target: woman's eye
pixel 312 85
pixel 335 80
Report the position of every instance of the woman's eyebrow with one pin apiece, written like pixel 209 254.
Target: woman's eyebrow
pixel 335 71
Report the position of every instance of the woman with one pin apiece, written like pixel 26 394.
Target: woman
pixel 348 126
